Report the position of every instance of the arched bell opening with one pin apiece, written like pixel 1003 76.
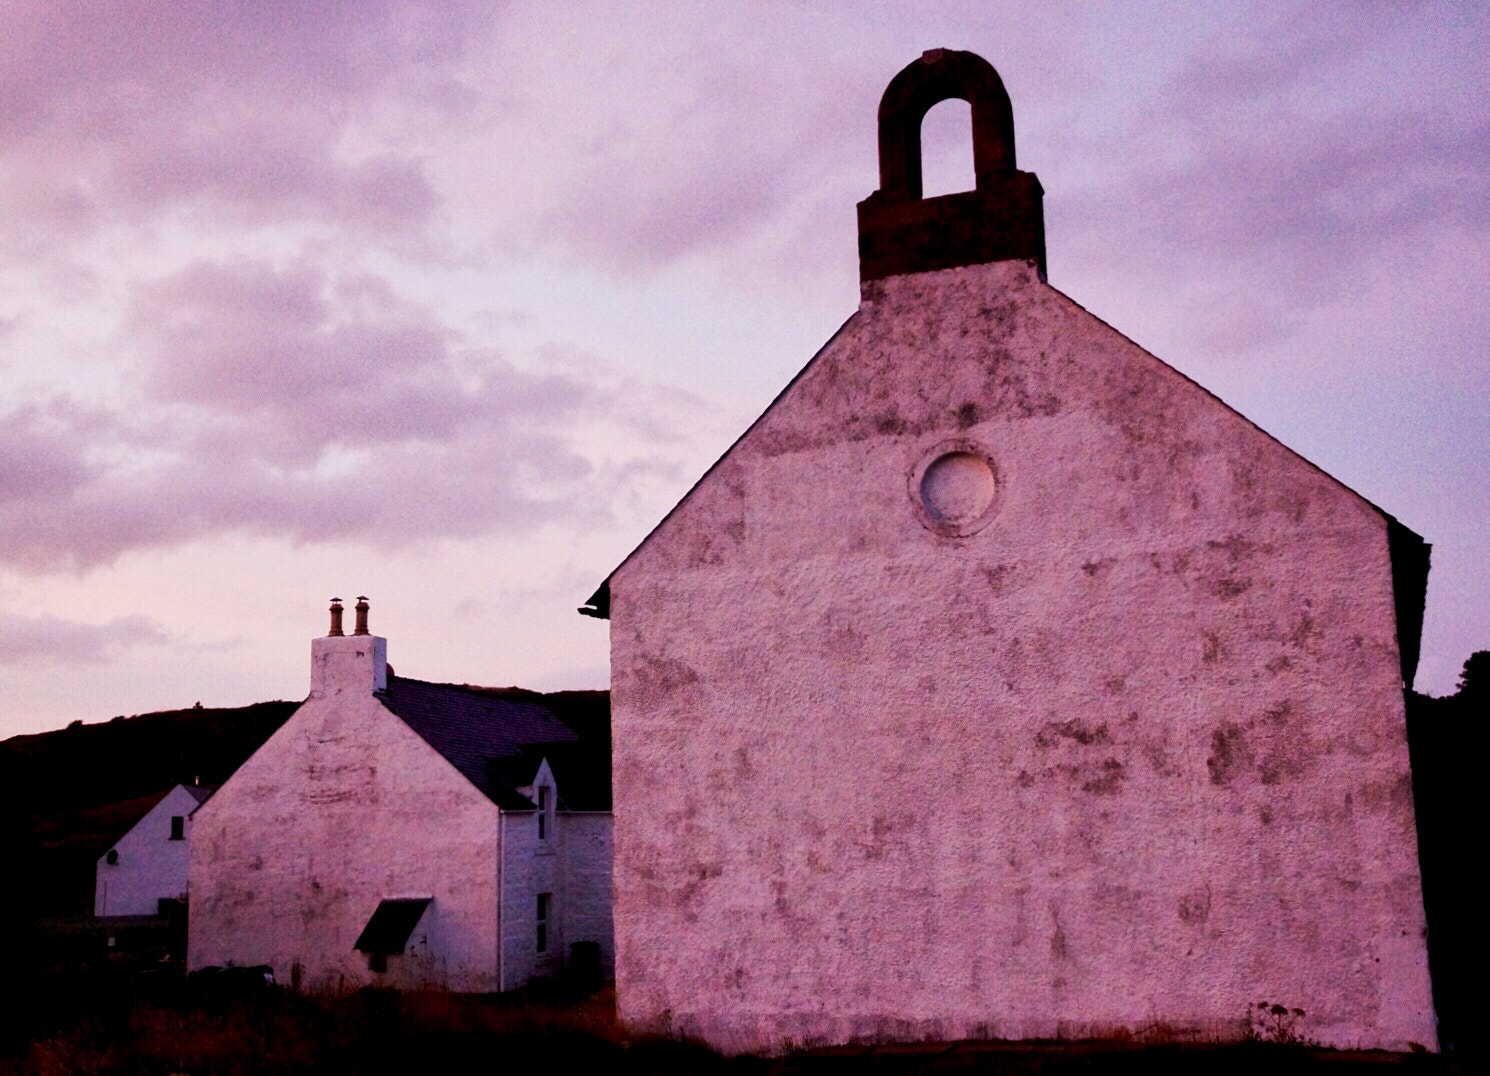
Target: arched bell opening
pixel 941 75
pixel 947 149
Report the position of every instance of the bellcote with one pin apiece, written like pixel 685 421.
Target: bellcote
pixel 1001 219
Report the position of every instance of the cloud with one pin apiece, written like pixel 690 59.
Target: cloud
pixel 291 403
pixel 217 216
pixel 1281 165
pixel 255 113
pixel 620 140
pixel 28 641
pixel 308 362
pixel 39 458
pixel 1316 199
pixel 631 142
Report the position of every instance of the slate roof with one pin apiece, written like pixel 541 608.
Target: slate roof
pixel 496 739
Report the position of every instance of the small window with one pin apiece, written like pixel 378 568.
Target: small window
pixel 543 901
pixel 178 827
pixel 543 812
pixel 113 857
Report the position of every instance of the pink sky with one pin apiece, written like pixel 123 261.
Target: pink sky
pixel 448 304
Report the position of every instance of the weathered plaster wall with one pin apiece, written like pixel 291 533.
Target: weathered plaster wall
pixel 587 883
pixel 1132 757
pixel 342 807
pixel 151 866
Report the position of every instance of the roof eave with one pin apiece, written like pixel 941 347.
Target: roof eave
pixel 1410 556
pixel 598 604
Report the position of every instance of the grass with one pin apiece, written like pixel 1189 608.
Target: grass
pixel 281 1032
pixel 96 1027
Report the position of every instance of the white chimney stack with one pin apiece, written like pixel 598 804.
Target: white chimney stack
pixel 348 664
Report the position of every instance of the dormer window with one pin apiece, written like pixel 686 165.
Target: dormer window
pixel 545 798
pixel 178 827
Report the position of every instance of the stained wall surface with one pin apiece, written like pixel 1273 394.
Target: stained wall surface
pixel 150 867
pixel 343 807
pixel 1129 759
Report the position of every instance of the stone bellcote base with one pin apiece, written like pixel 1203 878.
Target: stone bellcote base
pixel 1004 222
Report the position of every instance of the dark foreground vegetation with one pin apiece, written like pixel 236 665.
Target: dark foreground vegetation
pixel 162 1029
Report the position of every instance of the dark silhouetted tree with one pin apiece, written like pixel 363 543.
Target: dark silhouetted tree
pixel 1450 739
pixel 1474 680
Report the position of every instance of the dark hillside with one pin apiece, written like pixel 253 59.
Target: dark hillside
pixel 586 712
pixel 65 796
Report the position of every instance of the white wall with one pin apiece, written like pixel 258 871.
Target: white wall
pixel 526 872
pixel 588 901
pixel 342 807
pixel 575 867
pixel 1127 761
pixel 151 866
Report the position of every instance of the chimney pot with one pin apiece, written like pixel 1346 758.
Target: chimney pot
pixel 336 618
pixel 361 628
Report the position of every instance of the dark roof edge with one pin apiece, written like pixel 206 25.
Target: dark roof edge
pixel 1410 561
pixel 598 604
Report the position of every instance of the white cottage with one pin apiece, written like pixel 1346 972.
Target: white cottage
pixel 148 865
pixel 401 833
pixel 1001 682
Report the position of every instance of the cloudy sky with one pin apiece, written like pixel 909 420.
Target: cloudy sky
pixel 447 304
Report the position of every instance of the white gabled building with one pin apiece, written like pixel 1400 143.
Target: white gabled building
pixel 401 833
pixel 149 863
pixel 1001 682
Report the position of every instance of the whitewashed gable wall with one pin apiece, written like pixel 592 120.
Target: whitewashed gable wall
pixel 151 867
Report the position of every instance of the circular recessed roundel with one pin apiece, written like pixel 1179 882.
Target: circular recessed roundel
pixel 953 488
